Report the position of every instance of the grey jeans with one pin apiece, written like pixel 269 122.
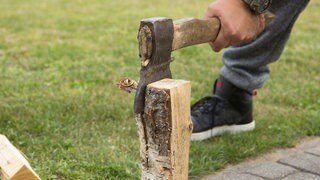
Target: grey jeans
pixel 245 65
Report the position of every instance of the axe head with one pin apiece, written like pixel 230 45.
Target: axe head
pixel 155 46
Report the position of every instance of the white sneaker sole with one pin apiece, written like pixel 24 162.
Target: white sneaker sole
pixel 233 129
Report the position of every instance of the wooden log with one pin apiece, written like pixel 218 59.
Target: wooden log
pixel 13 164
pixel 165 129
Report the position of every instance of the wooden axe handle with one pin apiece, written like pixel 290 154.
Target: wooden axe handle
pixel 193 31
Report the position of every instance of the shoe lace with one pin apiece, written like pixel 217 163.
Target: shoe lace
pixel 204 106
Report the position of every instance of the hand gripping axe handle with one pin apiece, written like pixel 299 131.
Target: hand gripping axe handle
pixel 158 37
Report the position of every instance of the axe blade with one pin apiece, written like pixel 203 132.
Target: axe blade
pixel 158 59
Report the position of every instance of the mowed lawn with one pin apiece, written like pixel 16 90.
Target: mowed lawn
pixel 60 61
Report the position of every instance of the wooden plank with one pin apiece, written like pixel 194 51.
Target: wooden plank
pixel 165 129
pixel 13 164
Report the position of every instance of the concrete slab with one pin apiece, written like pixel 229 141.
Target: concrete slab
pixel 302 176
pixel 303 161
pixel 314 151
pixel 234 176
pixel 272 170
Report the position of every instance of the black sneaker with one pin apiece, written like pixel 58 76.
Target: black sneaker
pixel 228 111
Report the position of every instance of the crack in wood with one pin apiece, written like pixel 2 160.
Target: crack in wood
pixel 157 114
pixel 164 130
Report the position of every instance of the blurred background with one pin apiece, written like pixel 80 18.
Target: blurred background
pixel 60 61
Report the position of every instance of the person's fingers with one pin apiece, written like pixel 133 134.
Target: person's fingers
pixel 220 42
pixel 211 11
pixel 211 45
pixel 207 14
pixel 236 28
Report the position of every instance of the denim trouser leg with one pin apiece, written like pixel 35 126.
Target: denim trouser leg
pixel 245 65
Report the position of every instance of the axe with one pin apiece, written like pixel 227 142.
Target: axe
pixel 158 37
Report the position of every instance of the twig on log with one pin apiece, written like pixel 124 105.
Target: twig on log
pixel 128 85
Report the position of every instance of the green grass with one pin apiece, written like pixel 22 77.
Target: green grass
pixel 60 61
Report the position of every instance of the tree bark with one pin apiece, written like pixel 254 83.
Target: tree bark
pixel 164 130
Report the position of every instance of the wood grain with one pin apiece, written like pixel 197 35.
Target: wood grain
pixel 13 164
pixel 165 129
pixel 193 31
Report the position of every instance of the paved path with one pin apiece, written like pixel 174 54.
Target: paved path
pixel 299 163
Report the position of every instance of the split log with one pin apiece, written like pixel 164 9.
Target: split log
pixel 13 164
pixel 165 129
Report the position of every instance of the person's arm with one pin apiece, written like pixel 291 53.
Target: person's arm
pixel 238 23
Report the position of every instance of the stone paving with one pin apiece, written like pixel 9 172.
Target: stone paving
pixel 299 163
